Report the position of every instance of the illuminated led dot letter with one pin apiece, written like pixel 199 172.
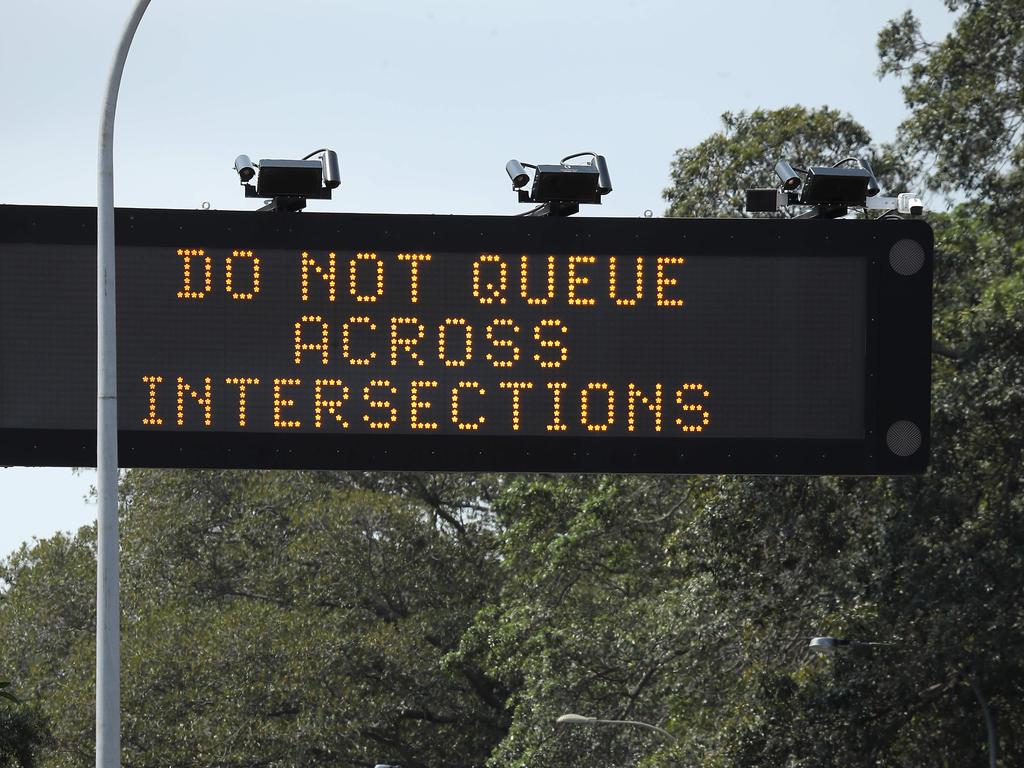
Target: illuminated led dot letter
pixel 556 425
pixel 517 387
pixel 406 342
pixel 204 400
pixel 563 353
pixel 511 354
pixel 700 417
pixel 652 403
pixel 381 404
pixel 353 278
pixel 442 342
pixel 242 384
pixel 466 425
pixel 152 419
pixel 579 280
pixel 229 275
pixel 280 403
pixel 308 346
pixel 586 413
pixel 524 281
pixel 664 281
pixel 613 283
pixel 489 288
pixel 414 260
pixel 346 340
pixel 188 291
pixel 328 273
pixel 416 405
pixel 333 407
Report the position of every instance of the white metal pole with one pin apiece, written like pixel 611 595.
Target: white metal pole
pixel 108 609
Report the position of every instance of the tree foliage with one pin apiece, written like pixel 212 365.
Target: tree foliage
pixel 22 731
pixel 271 618
pixel 966 95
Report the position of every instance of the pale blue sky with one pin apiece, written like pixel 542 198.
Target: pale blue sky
pixel 423 101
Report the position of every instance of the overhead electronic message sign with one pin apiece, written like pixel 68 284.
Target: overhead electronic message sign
pixel 472 343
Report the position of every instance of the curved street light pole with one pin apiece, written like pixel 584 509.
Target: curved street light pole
pixel 987 714
pixel 108 581
pixel 571 719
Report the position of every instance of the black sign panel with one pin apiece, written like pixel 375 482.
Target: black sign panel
pixel 472 343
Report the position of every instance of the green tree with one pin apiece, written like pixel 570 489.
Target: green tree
pixel 271 618
pixel 966 96
pixel 22 731
pixel 586 619
pixel 47 633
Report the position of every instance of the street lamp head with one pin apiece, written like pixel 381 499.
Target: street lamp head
pixel 578 719
pixel 827 644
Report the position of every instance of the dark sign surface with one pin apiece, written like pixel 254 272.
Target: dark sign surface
pixel 478 343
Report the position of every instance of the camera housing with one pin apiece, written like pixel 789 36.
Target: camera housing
pixel 331 169
pixel 790 178
pixel 518 174
pixel 244 168
pixel 836 186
